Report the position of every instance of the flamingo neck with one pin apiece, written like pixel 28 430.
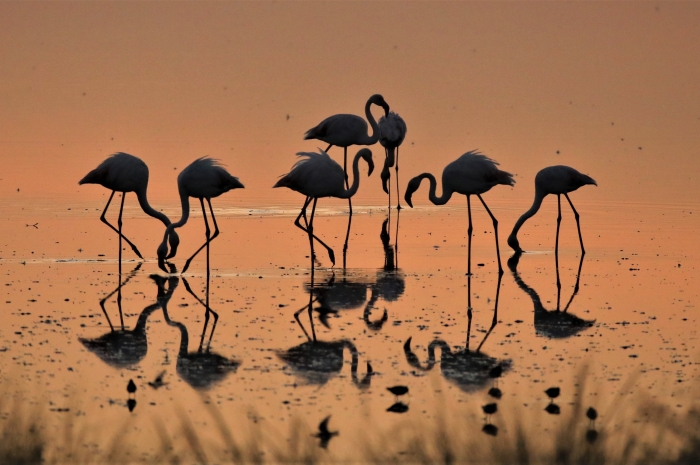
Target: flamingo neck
pixel 371 139
pixel 446 192
pixel 184 336
pixel 143 318
pixel 185 202
pixel 346 194
pixel 146 207
pixel 536 301
pixel 443 347
pixel 536 204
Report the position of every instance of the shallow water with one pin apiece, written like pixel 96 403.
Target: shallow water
pixel 632 319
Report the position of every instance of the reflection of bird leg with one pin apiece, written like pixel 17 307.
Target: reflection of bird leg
pixel 578 277
pixel 469 307
pixel 296 317
pixel 302 213
pixel 495 232
pixel 118 231
pixel 388 251
pixel 494 322
pixel 469 231
pixel 398 195
pixel 207 232
pixel 206 315
pixel 578 225
pixel 132 273
pixel 347 238
pixel 396 240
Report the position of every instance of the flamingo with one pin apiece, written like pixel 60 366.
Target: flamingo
pixel 203 179
pixel 392 131
pixel 345 130
pixel 124 173
pixel 557 180
pixel 316 175
pixel 470 174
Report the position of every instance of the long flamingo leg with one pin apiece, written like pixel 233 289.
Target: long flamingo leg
pixel 469 231
pixel 495 232
pixel 297 223
pixel 556 247
pixel 578 225
pixel 398 195
pixel 104 220
pixel 119 223
pixel 207 232
pixel 311 232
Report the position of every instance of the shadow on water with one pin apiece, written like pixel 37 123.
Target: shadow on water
pixel 122 348
pixel 315 361
pixel 202 368
pixel 558 323
pixel 470 370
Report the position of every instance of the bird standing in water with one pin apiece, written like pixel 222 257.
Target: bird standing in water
pixel 392 132
pixel 470 174
pixel 203 179
pixel 316 175
pixel 124 173
pixel 557 180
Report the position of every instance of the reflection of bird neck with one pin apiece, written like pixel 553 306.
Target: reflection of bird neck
pixel 373 124
pixel 184 336
pixel 354 354
pixel 355 181
pixel 140 327
pixel 146 207
pixel 540 194
pixel 536 301
pixel 446 191
pixel 444 347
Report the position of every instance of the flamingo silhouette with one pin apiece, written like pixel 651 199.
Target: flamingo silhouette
pixel 471 174
pixel 392 131
pixel 345 130
pixel 316 175
pixel 124 173
pixel 203 179
pixel 557 180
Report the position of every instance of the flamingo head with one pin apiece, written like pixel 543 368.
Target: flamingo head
pixel 162 252
pixel 412 186
pixel 385 175
pixel 366 155
pixel 377 99
pixel 589 180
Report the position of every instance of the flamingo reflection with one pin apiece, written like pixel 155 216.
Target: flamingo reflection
pixel 553 324
pixel 122 348
pixel 202 368
pixel 467 369
pixel 315 361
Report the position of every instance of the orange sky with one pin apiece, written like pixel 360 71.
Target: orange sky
pixel 170 82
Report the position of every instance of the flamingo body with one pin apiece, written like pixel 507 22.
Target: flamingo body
pixel 203 179
pixel 344 130
pixel 471 174
pixel 316 175
pixel 124 173
pixel 558 180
